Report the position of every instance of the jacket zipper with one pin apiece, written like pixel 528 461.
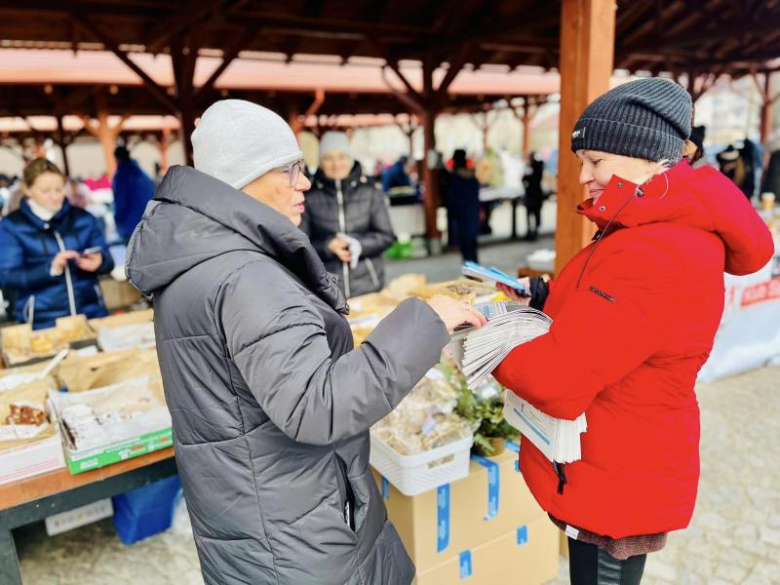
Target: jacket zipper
pixel 343 230
pixel 372 272
pixel 560 471
pixel 347 495
pixel 28 310
pixel 68 279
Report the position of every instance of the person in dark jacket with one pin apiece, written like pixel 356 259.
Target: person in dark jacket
pixel 133 189
pixel 534 195
pixel 51 252
pixel 395 175
pixel 464 205
pixel 634 319
pixel 771 180
pixel 346 219
pixel 271 404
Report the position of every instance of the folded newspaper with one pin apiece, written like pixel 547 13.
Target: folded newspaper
pixel 492 275
pixel 483 349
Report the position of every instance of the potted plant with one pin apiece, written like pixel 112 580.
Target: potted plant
pixel 484 410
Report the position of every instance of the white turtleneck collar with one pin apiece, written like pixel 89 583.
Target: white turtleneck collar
pixel 41 211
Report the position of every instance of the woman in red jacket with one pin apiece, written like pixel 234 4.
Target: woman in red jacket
pixel 635 315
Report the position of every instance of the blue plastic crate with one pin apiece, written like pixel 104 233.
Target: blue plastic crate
pixel 146 511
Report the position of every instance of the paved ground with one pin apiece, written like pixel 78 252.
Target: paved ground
pixel 734 536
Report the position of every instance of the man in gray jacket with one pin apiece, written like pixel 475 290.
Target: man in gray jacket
pixel 271 405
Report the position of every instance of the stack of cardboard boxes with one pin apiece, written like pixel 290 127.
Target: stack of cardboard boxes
pixel 484 529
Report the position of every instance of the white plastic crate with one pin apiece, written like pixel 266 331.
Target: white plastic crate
pixel 415 474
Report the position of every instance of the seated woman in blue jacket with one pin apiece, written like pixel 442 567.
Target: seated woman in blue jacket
pixel 51 253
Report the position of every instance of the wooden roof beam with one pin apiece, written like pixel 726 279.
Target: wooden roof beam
pixel 644 29
pixel 414 104
pixel 89 27
pixel 313 8
pixel 183 19
pixel 456 66
pixel 227 58
pixel 328 27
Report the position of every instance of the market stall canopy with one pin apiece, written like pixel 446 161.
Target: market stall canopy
pixel 665 35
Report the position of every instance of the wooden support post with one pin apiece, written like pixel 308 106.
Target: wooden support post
pixel 294 119
pixel 63 144
pixel 529 110
pixel 104 132
pixel 107 138
pixel 40 151
pixel 586 63
pixel 427 105
pixel 409 129
pixel 184 54
pixel 767 102
pixel 298 122
pixel 165 140
pixel 430 175
pixel 526 121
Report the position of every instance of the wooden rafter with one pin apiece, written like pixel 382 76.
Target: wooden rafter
pixel 96 31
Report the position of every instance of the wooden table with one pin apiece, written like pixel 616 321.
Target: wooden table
pixel 33 499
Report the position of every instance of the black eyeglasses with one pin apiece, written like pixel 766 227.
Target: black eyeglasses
pixel 294 170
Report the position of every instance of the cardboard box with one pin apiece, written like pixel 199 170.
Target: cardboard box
pixel 12 377
pixel 80 373
pixel 26 461
pixel 118 294
pixel 122 319
pixel 564 546
pixel 148 430
pixel 22 346
pixel 25 458
pixel 528 554
pixel 437 525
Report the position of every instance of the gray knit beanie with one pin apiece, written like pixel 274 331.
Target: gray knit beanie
pixel 238 141
pixel 647 118
pixel 334 141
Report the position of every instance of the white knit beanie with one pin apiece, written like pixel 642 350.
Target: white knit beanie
pixel 238 141
pixel 334 141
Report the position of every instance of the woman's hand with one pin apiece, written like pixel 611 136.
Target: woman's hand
pixel 340 249
pixel 61 260
pixel 455 313
pixel 90 262
pixel 512 292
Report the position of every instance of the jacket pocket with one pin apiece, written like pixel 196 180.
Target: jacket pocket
pixel 346 493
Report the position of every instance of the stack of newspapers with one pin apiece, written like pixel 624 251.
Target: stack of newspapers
pixel 509 325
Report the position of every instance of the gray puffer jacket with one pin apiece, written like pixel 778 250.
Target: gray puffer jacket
pixel 271 405
pixel 357 208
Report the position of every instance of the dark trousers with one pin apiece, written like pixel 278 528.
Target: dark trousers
pixel 535 213
pixel 592 565
pixel 468 248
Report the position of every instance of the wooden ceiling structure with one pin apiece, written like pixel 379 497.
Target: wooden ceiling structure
pixel 693 40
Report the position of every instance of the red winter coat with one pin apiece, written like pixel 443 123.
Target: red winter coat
pixel 627 343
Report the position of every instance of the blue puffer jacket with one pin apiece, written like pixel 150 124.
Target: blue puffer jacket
pixel 133 189
pixel 28 245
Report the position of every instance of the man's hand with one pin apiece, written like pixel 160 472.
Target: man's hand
pixel 455 313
